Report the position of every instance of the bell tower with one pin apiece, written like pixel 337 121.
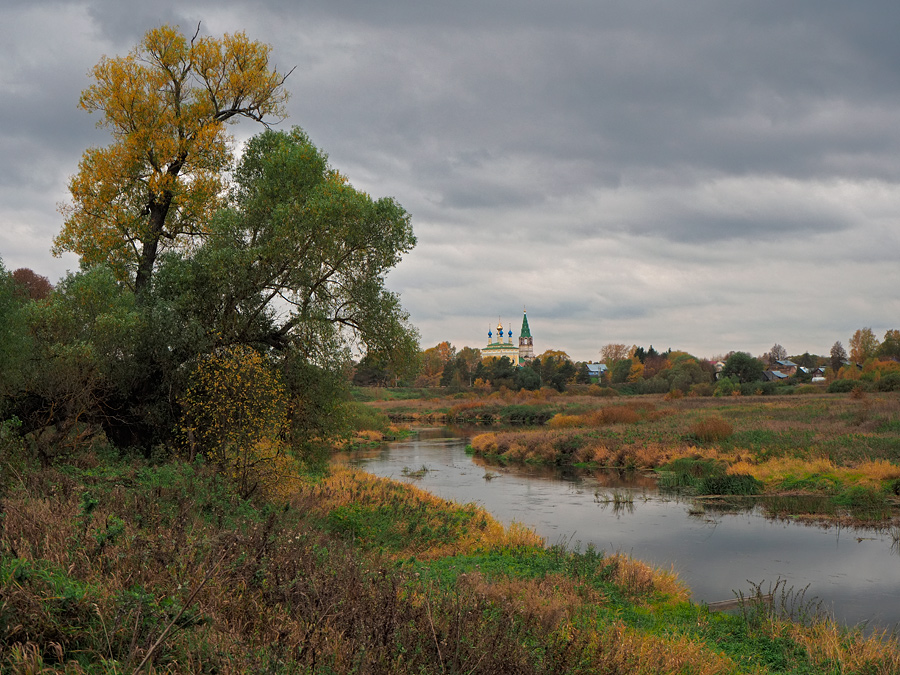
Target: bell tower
pixel 526 349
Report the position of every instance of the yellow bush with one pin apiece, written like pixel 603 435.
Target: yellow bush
pixel 234 411
pixel 560 421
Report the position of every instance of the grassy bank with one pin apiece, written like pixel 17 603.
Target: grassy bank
pixel 113 565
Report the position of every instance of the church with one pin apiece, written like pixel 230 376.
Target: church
pixel 518 355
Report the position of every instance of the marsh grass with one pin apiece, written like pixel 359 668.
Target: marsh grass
pixel 415 473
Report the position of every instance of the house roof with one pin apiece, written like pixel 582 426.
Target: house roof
pixel 787 363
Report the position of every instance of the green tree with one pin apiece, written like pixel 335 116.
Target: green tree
pixel 890 346
pixel 298 259
pixel 80 362
pixel 14 340
pixel 527 378
pixel 620 371
pixel 743 367
pixel 166 105
pixel 582 374
pixel 685 372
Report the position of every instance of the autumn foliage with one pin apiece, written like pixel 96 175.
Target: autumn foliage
pixel 235 413
pixel 166 105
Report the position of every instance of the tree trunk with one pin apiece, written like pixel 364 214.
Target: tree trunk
pixel 159 209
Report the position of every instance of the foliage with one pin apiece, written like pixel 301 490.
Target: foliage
pixel 235 413
pixel 31 285
pixel 166 105
pixel 863 345
pixel 296 231
pixel 744 367
pixel 14 340
pixel 890 346
pixel 838 356
pixel 79 361
pixel 842 386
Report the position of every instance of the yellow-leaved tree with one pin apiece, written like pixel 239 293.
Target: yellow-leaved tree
pixel 166 105
pixel 235 412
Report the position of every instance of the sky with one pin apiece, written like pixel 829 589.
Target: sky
pixel 704 176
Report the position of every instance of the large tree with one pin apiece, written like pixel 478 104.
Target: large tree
pixel 166 105
pixel 744 367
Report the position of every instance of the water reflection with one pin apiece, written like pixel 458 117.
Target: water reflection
pixel 715 548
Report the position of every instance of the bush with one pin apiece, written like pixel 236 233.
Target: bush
pixel 702 389
pixel 889 382
pixel 724 387
pixel 710 429
pixel 758 388
pixel 235 413
pixel 730 484
pixel 597 390
pixel 616 414
pixel 846 386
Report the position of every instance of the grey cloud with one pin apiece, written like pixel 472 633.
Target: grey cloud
pixel 632 172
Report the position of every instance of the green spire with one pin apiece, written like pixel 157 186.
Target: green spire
pixel 526 331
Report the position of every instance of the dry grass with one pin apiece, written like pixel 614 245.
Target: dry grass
pixel 641 581
pixel 546 600
pixel 773 471
pixel 620 649
pixel 829 646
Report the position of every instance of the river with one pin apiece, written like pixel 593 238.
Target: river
pixel 854 573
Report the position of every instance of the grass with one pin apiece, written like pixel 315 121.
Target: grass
pixel 111 564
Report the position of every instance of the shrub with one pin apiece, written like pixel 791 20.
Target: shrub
pixel 616 414
pixel 758 388
pixel 597 390
pixel 889 382
pixel 235 413
pixel 710 429
pixel 730 484
pixel 702 389
pixel 845 386
pixel 560 421
pixel 724 387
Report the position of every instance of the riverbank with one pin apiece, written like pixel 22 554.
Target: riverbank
pixel 113 565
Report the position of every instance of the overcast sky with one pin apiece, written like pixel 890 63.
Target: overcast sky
pixel 703 175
